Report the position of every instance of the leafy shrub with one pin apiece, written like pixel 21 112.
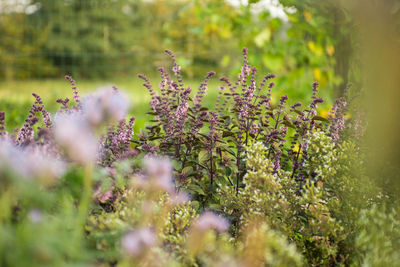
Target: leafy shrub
pixel 378 240
pixel 210 145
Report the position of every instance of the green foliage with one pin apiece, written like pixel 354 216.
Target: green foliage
pixel 321 217
pixel 302 214
pixel 264 246
pixel 378 241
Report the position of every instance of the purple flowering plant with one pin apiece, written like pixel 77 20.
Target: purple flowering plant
pixel 208 145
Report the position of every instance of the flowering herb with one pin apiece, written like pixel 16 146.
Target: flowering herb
pixel 209 143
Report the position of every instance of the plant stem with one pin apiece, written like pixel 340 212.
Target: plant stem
pixel 297 159
pixel 86 197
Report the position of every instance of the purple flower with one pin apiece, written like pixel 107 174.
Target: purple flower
pixel 337 118
pixel 64 103
pixel 283 99
pixel 74 88
pixel 296 105
pixel 283 130
pixel 202 90
pixel 72 133
pixel 224 79
pixel 271 84
pixel 254 128
pixel 35 216
pixel 179 198
pixel 26 132
pixel 104 105
pixel 2 119
pixel 269 76
pixel 30 162
pixel 159 172
pixel 210 220
pixel 115 145
pixel 277 161
pixel 315 88
pixel 138 241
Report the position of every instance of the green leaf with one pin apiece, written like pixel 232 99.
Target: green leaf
pixel 273 62
pixel 196 205
pixel 215 207
pixel 228 171
pixel 187 170
pixel 203 156
pixel 289 124
pixel 263 37
pixel 319 118
pixel 197 189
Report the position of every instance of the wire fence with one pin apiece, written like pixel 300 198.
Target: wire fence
pixel 94 39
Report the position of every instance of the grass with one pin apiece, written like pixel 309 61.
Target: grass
pixel 16 96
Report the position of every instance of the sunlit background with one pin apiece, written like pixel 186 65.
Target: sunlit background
pixel 103 42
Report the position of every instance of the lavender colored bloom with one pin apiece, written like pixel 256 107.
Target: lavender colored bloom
pixel 315 88
pixel 35 216
pixel 179 198
pixel 25 134
pixel 283 130
pixel 138 241
pixel 271 84
pixel 176 69
pixel 72 133
pixel 2 119
pixel 254 128
pixel 269 76
pixel 296 105
pixel 277 161
pixel 115 145
pixel 224 79
pixel 213 121
pixel 181 114
pixel 283 99
pixel 64 104
pixel 74 88
pixel 337 118
pixel 29 163
pixel 202 90
pixel 210 220
pixel 159 172
pixel 104 105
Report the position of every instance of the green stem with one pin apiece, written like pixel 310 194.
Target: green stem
pixel 86 197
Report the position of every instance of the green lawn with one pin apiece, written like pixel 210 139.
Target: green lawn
pixel 16 96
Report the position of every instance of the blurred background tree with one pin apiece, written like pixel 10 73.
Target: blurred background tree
pixel 301 41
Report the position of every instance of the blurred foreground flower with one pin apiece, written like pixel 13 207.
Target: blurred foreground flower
pixel 29 163
pixel 138 241
pixel 35 216
pixel 74 135
pixel 210 220
pixel 104 105
pixel 159 173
